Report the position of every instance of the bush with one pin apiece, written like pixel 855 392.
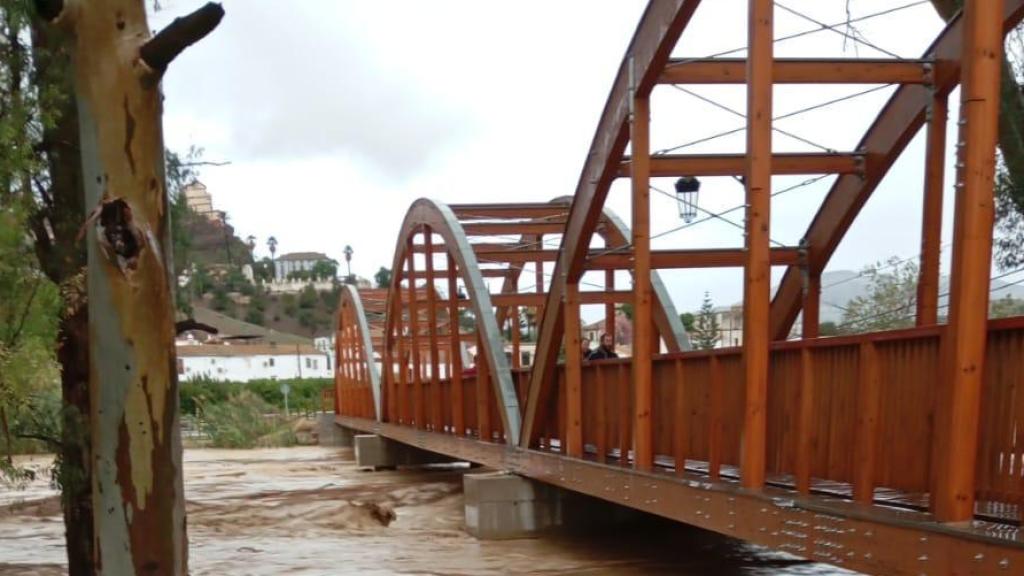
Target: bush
pixel 307 298
pixel 242 422
pixel 304 395
pixel 254 316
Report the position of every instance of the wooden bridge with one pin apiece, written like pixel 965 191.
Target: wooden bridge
pixel 890 453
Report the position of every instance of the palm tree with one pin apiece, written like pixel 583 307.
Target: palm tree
pixel 348 263
pixel 272 245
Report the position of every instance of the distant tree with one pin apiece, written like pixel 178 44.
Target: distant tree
pixel 272 246
pixel 1005 307
pixel 254 316
pixel 891 301
pixel 626 310
pixel 325 270
pixel 307 298
pixel 263 270
pixel 307 319
pixel 383 277
pixel 828 328
pixel 220 302
pixel 705 327
pixel 687 318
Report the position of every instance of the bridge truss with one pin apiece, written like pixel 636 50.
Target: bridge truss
pixel 891 453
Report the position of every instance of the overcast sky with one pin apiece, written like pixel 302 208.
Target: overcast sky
pixel 337 114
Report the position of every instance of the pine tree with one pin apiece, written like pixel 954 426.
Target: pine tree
pixel 705 328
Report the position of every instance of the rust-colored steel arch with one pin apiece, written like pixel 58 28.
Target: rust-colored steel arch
pixel 429 217
pixel 357 385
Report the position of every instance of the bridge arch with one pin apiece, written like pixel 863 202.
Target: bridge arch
pixel 357 384
pixel 427 218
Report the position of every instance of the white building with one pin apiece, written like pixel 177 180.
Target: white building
pixel 245 362
pixel 285 264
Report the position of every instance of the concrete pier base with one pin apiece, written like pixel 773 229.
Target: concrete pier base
pixel 329 433
pixel 377 452
pixel 500 506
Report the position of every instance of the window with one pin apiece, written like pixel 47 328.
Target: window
pixel 308 363
pixel 525 356
pixel 270 362
pixel 181 366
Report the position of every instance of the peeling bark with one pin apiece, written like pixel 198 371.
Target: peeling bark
pixel 137 477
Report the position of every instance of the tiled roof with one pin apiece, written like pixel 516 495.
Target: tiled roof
pixel 303 256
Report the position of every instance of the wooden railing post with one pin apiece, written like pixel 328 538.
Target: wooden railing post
pixel 805 435
pixel 573 435
pixel 757 268
pixel 483 394
pixel 715 394
pixel 866 433
pixel 972 256
pixel 931 220
pixel 402 362
pixel 681 420
pixel 458 407
pixel 643 349
pixel 436 410
pixel 419 408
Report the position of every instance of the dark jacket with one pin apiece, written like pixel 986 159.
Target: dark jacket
pixel 601 353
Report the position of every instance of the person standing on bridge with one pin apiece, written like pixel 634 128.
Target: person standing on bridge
pixel 585 348
pixel 606 350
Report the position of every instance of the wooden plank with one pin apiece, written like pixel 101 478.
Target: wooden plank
pixel 623 385
pixel 800 71
pixel 515 210
pixel 419 405
pixel 812 307
pixel 972 256
pixel 573 374
pixel 757 268
pixel 704 258
pixel 868 414
pixel 643 349
pixel 783 164
pixel 483 395
pixel 680 421
pixel 436 409
pixel 512 228
pixel 533 299
pixel 455 345
pixel 609 307
pixel 806 439
pixel 601 389
pixel 715 421
pixel 931 220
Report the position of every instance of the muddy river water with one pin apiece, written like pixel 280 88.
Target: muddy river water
pixel 309 510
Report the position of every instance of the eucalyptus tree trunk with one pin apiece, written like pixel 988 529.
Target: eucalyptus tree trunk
pixel 137 489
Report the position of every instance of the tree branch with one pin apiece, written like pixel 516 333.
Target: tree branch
pixel 180 34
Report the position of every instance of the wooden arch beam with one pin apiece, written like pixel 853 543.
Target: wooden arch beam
pixel 442 221
pixel 350 304
pixel 660 28
pixel 887 138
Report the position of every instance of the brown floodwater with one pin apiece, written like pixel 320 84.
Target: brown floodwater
pixel 309 511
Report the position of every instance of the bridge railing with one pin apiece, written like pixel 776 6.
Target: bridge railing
pixel 850 414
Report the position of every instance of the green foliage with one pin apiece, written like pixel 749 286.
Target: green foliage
pixel 705 328
pixel 243 422
pixel 383 277
pixel 304 395
pixel 254 316
pixel 325 270
pixel 627 310
pixel 1005 307
pixel 890 303
pixel 221 302
pixel 687 318
pixel 828 329
pixel 263 270
pixel 307 298
pixel 29 308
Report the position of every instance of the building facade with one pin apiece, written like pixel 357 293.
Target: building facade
pixel 286 264
pixel 245 362
pixel 199 200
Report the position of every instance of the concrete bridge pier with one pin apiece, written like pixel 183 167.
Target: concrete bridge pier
pixel 500 505
pixel 330 433
pixel 378 453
